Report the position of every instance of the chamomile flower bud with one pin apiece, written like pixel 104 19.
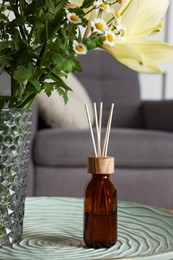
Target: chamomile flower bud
pixel 99 25
pixel 110 37
pixel 103 6
pixel 73 18
pixel 79 48
pixel 121 32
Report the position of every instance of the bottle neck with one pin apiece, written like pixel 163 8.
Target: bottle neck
pixel 100 176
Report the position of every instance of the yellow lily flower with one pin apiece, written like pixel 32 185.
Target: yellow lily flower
pixel 141 18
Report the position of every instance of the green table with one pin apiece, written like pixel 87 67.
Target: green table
pixel 53 229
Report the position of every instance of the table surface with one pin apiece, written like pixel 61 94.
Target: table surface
pixel 53 229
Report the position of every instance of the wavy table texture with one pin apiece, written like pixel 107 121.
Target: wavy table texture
pixel 53 230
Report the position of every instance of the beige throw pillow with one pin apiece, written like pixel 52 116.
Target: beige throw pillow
pixel 72 115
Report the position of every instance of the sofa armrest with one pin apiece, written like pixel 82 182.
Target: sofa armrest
pixel 30 178
pixel 157 115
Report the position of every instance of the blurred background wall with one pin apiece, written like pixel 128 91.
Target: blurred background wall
pixel 160 86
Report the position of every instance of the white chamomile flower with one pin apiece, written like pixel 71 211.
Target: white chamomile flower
pixel 99 25
pixel 73 18
pixel 79 48
pixel 117 16
pixel 121 32
pixel 97 2
pixel 103 6
pixel 110 38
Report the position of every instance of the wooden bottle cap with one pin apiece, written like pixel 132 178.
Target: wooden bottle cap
pixel 101 165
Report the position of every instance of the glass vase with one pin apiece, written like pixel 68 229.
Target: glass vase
pixel 15 132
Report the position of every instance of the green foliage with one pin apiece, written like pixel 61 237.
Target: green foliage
pixel 22 73
pixel 93 43
pixel 36 47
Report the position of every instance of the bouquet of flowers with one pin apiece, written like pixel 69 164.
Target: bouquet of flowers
pixel 40 40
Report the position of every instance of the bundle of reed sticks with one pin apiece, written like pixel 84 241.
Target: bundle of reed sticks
pixel 100 151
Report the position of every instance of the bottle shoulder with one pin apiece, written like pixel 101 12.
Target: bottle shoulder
pixel 101 182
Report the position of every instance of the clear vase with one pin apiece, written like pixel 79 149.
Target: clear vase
pixel 15 132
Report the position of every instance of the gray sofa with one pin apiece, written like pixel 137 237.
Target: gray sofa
pixel 141 140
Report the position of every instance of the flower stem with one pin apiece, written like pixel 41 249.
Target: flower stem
pixel 88 29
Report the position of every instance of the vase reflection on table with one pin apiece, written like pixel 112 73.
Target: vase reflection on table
pixel 15 130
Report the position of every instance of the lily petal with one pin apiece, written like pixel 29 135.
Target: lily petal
pixel 123 51
pixel 130 56
pixel 125 5
pixel 147 67
pixel 149 15
pixel 157 51
pixel 129 12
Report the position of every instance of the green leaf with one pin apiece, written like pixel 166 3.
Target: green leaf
pixel 3 61
pixel 48 88
pixel 57 60
pixel 63 94
pixel 76 66
pixel 93 42
pixel 59 4
pixel 36 84
pixel 22 73
pixel 3 45
pixel 68 65
pixel 87 3
pixel 61 87
pixel 59 82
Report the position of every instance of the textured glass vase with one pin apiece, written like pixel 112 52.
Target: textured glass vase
pixel 15 132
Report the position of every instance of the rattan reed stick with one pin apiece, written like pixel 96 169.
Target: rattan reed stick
pixel 107 134
pixel 97 130
pixel 98 152
pixel 91 130
pixel 100 126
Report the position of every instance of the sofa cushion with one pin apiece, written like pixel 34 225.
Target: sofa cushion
pixel 72 115
pixel 156 114
pixel 131 148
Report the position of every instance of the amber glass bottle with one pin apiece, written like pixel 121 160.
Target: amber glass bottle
pixel 100 204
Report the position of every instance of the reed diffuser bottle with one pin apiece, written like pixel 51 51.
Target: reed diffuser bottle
pixel 100 199
pixel 100 204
